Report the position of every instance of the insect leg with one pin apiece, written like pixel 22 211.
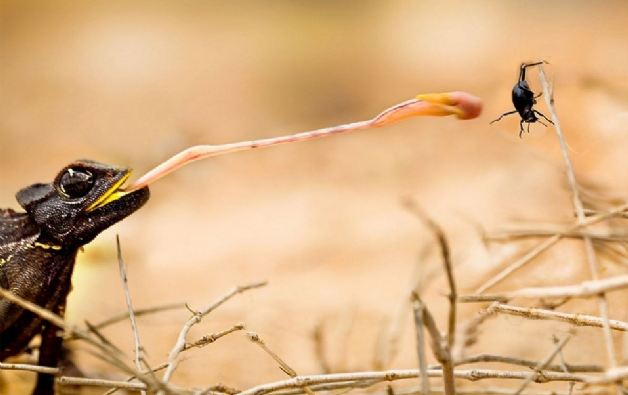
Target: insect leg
pixel 503 115
pixel 524 66
pixel 521 128
pixel 541 114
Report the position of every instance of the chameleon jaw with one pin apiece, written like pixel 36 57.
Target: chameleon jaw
pixel 112 194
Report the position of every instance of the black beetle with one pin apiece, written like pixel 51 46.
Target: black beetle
pixel 524 99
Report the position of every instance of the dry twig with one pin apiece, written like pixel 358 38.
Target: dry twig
pixel 580 215
pixel 544 245
pixel 139 312
pixel 127 296
pixel 254 337
pixel 542 365
pixel 613 375
pixel 29 368
pixel 109 354
pixel 319 347
pixel 202 342
pixel 442 349
pixel 529 363
pixel 393 375
pixel 417 308
pixel 575 319
pixel 582 290
pixel 195 319
pixel 508 235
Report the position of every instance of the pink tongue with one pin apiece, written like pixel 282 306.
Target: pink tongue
pixel 463 105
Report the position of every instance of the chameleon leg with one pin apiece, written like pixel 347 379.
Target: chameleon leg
pixel 49 354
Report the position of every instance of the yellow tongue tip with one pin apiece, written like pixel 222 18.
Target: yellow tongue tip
pixel 439 98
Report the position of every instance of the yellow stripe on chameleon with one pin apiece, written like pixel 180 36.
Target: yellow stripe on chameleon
pixel 47 246
pixel 111 194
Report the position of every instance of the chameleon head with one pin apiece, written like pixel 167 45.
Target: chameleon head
pixel 84 199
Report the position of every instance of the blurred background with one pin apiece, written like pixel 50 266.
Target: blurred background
pixel 132 82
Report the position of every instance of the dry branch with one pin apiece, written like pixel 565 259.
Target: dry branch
pixel 442 349
pixel 202 342
pixel 544 245
pixel 109 354
pixel 575 319
pixel 319 347
pixel 541 365
pixel 89 382
pixel 393 375
pixel 484 358
pixel 508 235
pixel 582 290
pixel 139 312
pixel 29 368
pixel 417 308
pixel 581 219
pixel 137 350
pixel 483 391
pixel 208 339
pixel 195 319
pixel 613 375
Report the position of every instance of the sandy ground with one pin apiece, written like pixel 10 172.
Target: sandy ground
pixel 323 222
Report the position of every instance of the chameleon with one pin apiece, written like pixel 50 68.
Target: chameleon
pixel 38 249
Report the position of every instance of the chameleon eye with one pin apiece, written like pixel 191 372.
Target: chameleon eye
pixel 76 183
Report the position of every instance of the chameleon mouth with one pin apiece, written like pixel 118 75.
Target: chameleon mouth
pixel 111 195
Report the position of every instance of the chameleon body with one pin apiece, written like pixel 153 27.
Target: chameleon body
pixel 38 249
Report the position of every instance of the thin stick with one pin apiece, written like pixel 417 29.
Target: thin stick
pixel 508 235
pixel 469 330
pixel 109 354
pixel 127 295
pixel 202 342
pixel 254 337
pixel 38 310
pixel 350 379
pixel 439 391
pixel 346 385
pixel 614 375
pixel 84 381
pixel 444 348
pixel 583 290
pixel 29 368
pixel 541 365
pixel 519 263
pixel 543 246
pixel 393 375
pixel 579 209
pixel 461 104
pixel 498 391
pixel 417 308
pixel 440 349
pixel 319 347
pixel 139 313
pixel 388 345
pixel 575 319
pixel 100 336
pixel 195 319
pixel 208 339
pixel 528 363
pixel 563 364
